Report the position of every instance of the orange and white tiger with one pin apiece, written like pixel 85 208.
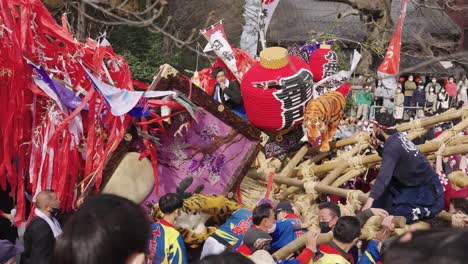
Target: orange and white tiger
pixel 322 117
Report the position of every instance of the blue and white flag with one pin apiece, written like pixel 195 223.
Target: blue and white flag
pixel 121 101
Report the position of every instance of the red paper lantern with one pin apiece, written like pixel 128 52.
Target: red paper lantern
pixel 401 79
pixel 323 62
pixel 417 79
pixel 282 106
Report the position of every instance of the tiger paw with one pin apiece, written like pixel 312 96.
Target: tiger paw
pixel 324 148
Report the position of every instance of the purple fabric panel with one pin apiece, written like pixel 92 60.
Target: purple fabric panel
pixel 181 157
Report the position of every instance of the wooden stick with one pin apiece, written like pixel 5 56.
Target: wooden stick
pixel 300 183
pixel 332 176
pixel 348 176
pixel 287 170
pixel 300 242
pixel 425 148
pixel 453 150
pixel 445 215
pixel 449 115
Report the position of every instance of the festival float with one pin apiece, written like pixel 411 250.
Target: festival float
pixel 76 123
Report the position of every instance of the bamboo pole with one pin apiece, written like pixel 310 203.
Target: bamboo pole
pixel 348 176
pixel 425 148
pixel 449 115
pixel 354 173
pixel 343 142
pixel 346 161
pixel 287 170
pixel 454 150
pixel 340 169
pixel 445 215
pixel 300 183
pixel 300 242
pixel 309 162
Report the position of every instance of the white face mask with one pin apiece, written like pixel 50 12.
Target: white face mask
pixel 272 229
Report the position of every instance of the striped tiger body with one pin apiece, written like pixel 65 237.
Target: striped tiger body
pixel 322 117
pixel 195 211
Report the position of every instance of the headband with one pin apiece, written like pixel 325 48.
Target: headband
pixel 381 126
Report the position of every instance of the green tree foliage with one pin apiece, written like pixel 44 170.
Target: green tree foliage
pixel 142 50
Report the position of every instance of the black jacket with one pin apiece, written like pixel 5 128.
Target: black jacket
pixel 39 242
pixel 234 93
pixel 403 163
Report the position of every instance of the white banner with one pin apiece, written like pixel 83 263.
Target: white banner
pixel 249 36
pixel 268 9
pixel 216 37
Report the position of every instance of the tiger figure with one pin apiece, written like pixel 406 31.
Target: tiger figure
pixel 195 212
pixel 322 117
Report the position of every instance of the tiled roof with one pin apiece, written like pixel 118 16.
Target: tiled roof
pixel 297 20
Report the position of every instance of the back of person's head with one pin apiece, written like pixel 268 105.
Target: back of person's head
pixel 261 212
pixel 284 206
pixel 46 199
pixel 105 229
pixel 347 229
pixel 460 204
pixel 386 120
pixel 257 239
pixel 438 222
pixel 170 202
pixel 333 207
pixel 433 246
pixel 226 258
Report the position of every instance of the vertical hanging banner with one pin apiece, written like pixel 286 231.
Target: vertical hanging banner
pixel 390 67
pixel 218 41
pixel 268 9
pixel 249 36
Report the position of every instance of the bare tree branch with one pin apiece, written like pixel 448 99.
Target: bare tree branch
pixel 457 55
pixel 440 5
pixel 124 13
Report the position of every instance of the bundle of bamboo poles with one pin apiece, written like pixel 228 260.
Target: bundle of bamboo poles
pixel 329 176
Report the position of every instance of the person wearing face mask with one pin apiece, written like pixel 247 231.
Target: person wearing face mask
pixel 259 241
pixel 364 100
pixel 399 104
pixel 406 184
pixel 433 84
pixel 345 236
pixel 42 231
pixel 462 87
pixel 167 244
pixel 431 99
pixel 419 96
pixel 263 217
pixel 410 86
pixel 442 101
pixel 330 212
pixel 451 88
pixel 229 235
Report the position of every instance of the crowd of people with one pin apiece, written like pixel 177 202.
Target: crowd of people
pixel 431 96
pixel 110 229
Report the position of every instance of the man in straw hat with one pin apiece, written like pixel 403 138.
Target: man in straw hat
pixel 406 184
